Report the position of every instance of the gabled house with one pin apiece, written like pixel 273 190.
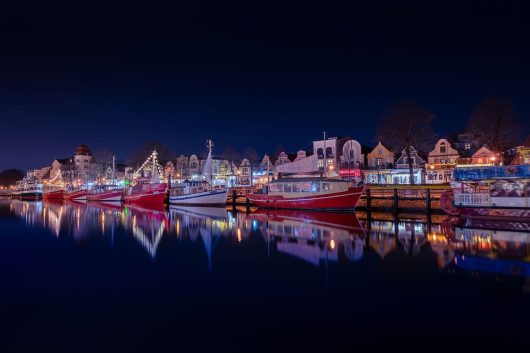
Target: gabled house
pixel 441 162
pixel 380 157
pixel 443 153
pixel 485 156
pixel 403 160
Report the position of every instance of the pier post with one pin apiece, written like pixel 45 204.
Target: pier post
pixel 234 197
pixel 247 204
pixel 428 201
pixel 368 200
pixel 395 203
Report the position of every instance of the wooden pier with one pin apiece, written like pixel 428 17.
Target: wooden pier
pixel 237 198
pixel 402 198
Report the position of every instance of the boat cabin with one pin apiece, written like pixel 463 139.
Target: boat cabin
pixel 308 185
pixel 192 186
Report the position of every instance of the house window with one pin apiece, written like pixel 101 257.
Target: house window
pixel 467 146
pixel 320 153
pixel 443 148
pixel 352 155
pixel 287 187
pixel 329 151
pixel 379 162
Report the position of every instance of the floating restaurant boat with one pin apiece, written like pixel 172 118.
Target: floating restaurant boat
pixel 498 192
pixel 148 192
pixel 27 189
pixel 199 193
pixel 309 193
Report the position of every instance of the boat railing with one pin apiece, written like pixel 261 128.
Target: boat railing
pixel 491 172
pixel 472 199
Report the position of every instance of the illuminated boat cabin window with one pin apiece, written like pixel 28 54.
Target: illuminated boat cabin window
pixel 301 186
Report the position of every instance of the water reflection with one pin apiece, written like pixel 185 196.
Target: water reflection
pixel 312 237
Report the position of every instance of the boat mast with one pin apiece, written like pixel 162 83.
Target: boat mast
pixel 154 165
pixel 325 157
pixel 113 169
pixel 210 145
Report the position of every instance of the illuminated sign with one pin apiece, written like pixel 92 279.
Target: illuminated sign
pixel 350 173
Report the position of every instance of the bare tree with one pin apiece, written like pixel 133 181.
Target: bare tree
pixel 165 154
pixel 9 177
pixel 494 123
pixel 233 157
pixel 406 125
pixel 102 159
pixel 251 154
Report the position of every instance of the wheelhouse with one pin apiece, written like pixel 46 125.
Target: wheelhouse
pixel 294 185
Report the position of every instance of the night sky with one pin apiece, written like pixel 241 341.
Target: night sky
pixel 248 74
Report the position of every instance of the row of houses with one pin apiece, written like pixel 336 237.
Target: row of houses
pixel 339 156
pixel 79 168
pixel 345 157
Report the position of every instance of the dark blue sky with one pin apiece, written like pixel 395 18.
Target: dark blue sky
pixel 245 74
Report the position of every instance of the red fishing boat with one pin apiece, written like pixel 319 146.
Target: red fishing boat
pixel 309 194
pixel 148 191
pixel 76 195
pixel 146 194
pixel 52 193
pixel 106 193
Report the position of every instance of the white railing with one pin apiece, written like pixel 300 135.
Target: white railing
pixel 479 199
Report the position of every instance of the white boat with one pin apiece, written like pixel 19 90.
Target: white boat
pixel 27 189
pixel 199 193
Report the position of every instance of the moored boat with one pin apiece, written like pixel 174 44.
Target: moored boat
pixel 201 192
pixel 52 193
pixel 148 192
pixel 197 193
pixel 490 192
pixel 76 194
pixel 106 193
pixel 27 189
pixel 309 193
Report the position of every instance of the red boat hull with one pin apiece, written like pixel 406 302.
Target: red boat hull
pixel 329 201
pixel 152 196
pixel 107 196
pixel 76 195
pixel 53 195
pixel 516 214
pixel 486 213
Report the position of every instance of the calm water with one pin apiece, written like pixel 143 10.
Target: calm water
pixel 79 277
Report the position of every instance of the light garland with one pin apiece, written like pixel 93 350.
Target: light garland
pixel 153 160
